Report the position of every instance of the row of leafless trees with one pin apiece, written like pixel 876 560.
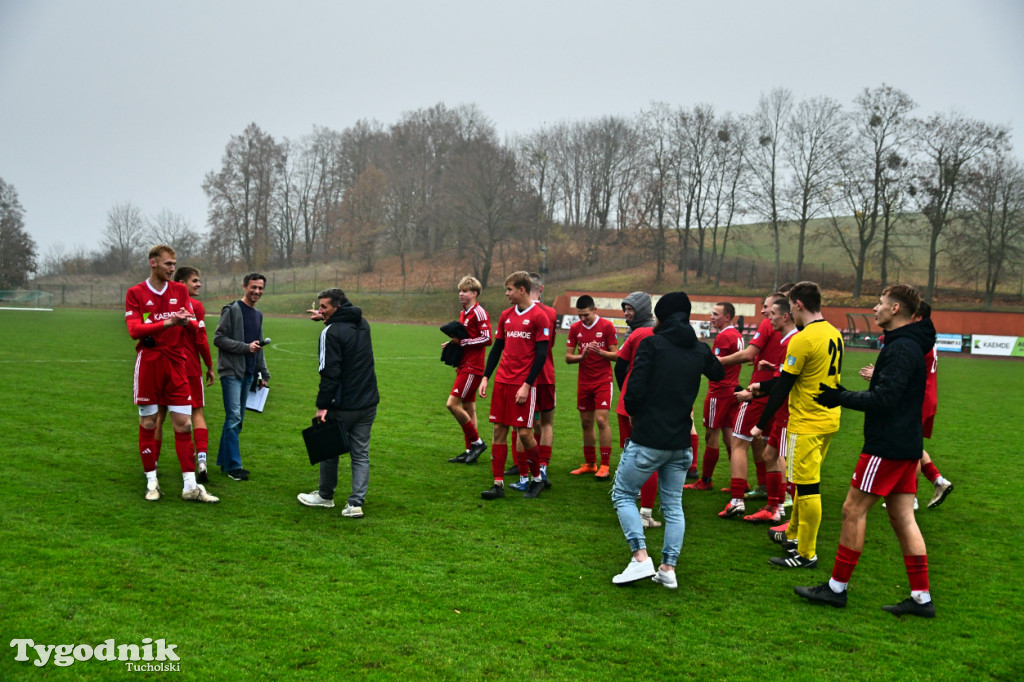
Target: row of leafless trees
pixel 673 181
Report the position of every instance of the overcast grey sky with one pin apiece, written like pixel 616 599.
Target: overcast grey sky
pixel 106 101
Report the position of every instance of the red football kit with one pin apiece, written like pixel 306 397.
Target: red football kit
pixel 766 340
pixel 471 368
pixel 594 382
pixel 161 364
pixel 781 418
pixel 197 346
pixel 628 353
pixel 546 381
pixel 931 392
pixel 720 404
pixel 521 331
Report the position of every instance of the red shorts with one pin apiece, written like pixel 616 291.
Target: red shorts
pixel 625 430
pixel 159 381
pixel 195 385
pixel 545 397
pixel 747 416
pixel 465 386
pixel 720 413
pixel 505 410
pixel 777 436
pixel 926 425
pixel 885 477
pixel 594 397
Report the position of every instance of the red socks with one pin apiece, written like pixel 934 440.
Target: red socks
pixel 737 486
pixel 470 433
pixel 775 487
pixel 499 453
pixel 649 491
pixel 147 448
pixel 930 471
pixel 545 455
pixel 606 456
pixel 710 460
pixel 762 470
pixel 590 454
pixel 531 459
pixel 846 561
pixel 183 449
pixel 202 437
pixel 917 571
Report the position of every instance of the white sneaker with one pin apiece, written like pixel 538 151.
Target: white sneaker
pixel 942 490
pixel 788 502
pixel 666 578
pixel 649 521
pixel 635 570
pixel 153 490
pixel 352 512
pixel 198 494
pixel 313 499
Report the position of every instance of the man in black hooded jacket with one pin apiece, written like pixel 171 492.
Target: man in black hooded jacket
pixel 348 391
pixel 892 447
pixel 659 397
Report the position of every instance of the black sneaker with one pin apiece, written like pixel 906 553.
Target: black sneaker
pixel 910 607
pixel 459 459
pixel 822 594
pixel 494 492
pixel 794 561
pixel 474 452
pixel 239 474
pixel 789 545
pixel 533 490
pixel 512 471
pixel 778 536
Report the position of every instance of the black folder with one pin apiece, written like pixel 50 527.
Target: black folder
pixel 325 439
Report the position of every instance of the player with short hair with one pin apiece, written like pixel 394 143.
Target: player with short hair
pixel 595 339
pixel 720 405
pixel 763 346
pixel 774 452
pixel 814 357
pixel 893 443
pixel 524 329
pixel 462 399
pixel 157 311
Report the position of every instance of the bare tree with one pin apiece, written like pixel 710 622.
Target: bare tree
pixel 989 242
pixel 947 145
pixel 363 216
pixel 168 227
pixel 815 136
pixel 653 203
pixel 695 131
pixel 867 167
pixel 241 194
pixel 125 234
pixel 728 170
pixel 766 163
pixel 17 248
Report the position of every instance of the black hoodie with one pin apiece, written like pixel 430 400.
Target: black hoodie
pixel 347 377
pixel 892 403
pixel 665 381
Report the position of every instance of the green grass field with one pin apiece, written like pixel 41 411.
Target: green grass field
pixel 436 584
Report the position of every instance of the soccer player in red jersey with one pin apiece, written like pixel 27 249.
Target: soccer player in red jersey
pixel 524 331
pixel 462 399
pixel 595 339
pixel 157 311
pixel 762 346
pixel 720 404
pixel 196 346
pixel 774 451
pixel 887 467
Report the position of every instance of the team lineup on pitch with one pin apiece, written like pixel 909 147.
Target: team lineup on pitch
pixel 787 414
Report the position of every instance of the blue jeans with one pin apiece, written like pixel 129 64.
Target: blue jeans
pixel 234 390
pixel 635 467
pixel 358 423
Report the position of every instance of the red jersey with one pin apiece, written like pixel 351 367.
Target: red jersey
pixel 782 415
pixel 145 310
pixel 521 332
pixel 628 353
pixel 593 368
pixel 478 324
pixel 931 384
pixel 547 377
pixel 197 345
pixel 728 341
pixel 767 341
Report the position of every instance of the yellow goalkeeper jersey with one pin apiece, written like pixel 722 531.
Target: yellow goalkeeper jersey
pixel 815 356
